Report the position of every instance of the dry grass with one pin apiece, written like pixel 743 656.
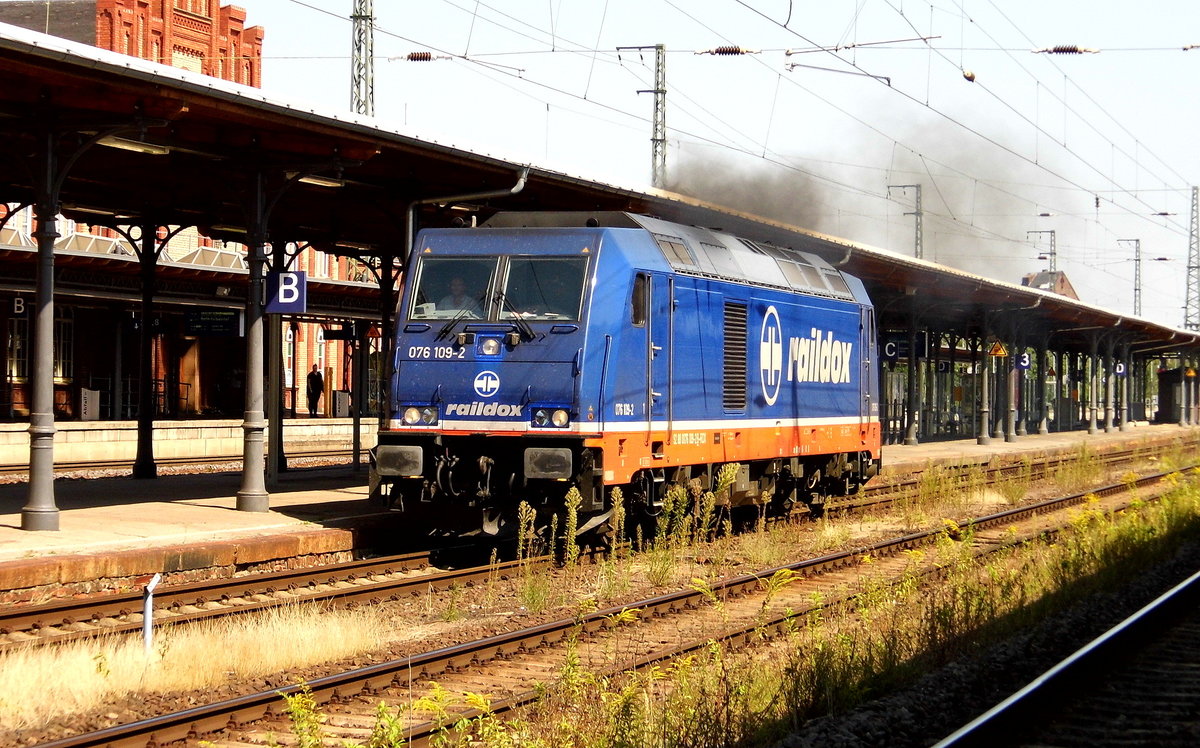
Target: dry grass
pixel 85 676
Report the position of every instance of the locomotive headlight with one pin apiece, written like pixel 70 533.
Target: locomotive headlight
pixel 489 346
pixel 414 416
pixel 547 417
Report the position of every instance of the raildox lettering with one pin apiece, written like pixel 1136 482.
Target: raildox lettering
pixel 819 358
pixel 483 409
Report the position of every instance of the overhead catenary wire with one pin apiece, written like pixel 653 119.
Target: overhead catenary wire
pixel 762 151
pixel 1095 103
pixel 946 116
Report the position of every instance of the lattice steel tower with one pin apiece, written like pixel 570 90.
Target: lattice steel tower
pixel 362 62
pixel 1191 304
pixel 658 139
pixel 918 214
pixel 658 134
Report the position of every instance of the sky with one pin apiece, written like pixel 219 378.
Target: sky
pixel 874 97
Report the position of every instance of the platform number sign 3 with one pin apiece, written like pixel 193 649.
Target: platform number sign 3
pixel 1023 361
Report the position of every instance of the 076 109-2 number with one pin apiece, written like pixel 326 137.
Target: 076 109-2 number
pixel 439 351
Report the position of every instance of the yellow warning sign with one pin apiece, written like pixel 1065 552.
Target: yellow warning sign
pixel 998 350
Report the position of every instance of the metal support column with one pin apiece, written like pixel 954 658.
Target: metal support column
pixel 1185 411
pixel 294 331
pixel 253 496
pixel 999 390
pixel 276 457
pixel 362 344
pixel 1010 420
pixel 982 367
pixel 1193 393
pixel 1093 384
pixel 1068 388
pixel 1022 404
pixel 144 464
pixel 1043 356
pixel 911 408
pixel 954 415
pixel 1109 386
pixel 41 512
pixel 1125 387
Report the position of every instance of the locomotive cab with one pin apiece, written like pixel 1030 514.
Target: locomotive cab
pixel 485 398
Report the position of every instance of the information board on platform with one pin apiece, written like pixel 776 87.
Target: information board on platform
pixel 213 322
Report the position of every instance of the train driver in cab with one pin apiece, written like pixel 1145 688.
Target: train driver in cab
pixel 458 298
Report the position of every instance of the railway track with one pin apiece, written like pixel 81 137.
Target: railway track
pixel 513 664
pixel 1137 684
pixel 365 581
pixel 1042 468
pixel 369 581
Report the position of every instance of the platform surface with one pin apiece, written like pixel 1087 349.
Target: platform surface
pixel 103 517
pixel 121 512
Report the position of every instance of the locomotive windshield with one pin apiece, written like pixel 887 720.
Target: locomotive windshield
pixel 448 287
pixel 499 288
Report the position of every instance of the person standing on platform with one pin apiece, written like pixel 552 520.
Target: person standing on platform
pixel 316 386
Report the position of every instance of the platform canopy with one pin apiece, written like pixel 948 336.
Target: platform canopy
pixel 141 143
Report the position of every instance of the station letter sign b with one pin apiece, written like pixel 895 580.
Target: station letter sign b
pixel 287 293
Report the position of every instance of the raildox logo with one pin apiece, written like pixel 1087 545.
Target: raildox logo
pixel 770 355
pixel 487 383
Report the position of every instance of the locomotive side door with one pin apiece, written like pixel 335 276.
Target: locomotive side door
pixel 867 383
pixel 659 350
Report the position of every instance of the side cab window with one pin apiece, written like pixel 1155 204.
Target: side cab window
pixel 640 300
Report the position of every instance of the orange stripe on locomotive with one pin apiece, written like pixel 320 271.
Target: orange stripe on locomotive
pixel 626 452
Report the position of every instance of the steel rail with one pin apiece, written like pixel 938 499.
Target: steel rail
pixel 125 608
pixel 1095 659
pixel 196 722
pixel 121 613
pixel 883 493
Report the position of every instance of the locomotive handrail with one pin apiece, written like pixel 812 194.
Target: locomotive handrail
pixel 604 380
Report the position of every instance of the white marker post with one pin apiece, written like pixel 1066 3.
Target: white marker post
pixel 148 613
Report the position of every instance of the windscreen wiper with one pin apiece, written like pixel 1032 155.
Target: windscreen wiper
pixel 522 326
pixel 449 326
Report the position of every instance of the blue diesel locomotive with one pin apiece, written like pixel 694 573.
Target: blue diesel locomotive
pixel 544 351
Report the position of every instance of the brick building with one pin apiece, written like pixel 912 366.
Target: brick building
pixel 198 35
pixel 1053 281
pixel 205 37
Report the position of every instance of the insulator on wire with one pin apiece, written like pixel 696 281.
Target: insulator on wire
pixel 1065 49
pixel 728 49
pixel 420 57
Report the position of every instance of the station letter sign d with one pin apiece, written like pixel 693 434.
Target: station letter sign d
pixel 287 293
